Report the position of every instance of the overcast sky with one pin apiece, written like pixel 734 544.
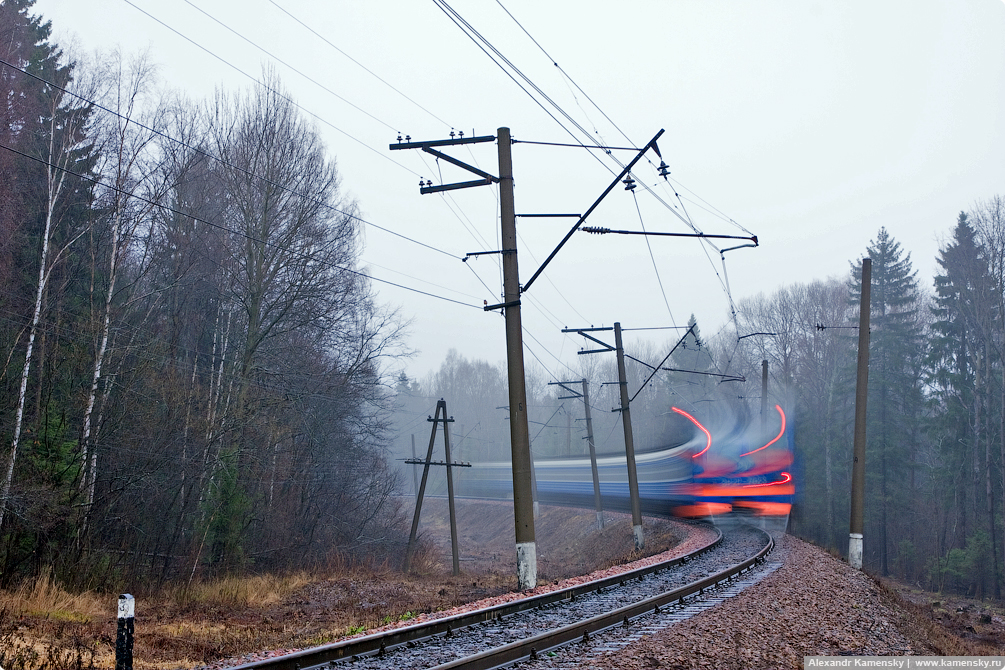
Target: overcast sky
pixel 808 123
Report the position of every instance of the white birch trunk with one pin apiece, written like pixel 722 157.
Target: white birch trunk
pixel 91 468
pixel 55 180
pixel 129 150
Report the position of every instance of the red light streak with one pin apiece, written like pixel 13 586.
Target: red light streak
pixel 708 445
pixel 786 478
pixel 780 433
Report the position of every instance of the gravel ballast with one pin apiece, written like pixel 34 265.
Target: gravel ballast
pixel 813 605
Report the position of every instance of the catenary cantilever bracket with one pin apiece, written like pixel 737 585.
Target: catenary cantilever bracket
pixel 617 180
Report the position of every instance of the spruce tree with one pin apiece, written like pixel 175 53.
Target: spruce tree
pixel 959 364
pixel 894 390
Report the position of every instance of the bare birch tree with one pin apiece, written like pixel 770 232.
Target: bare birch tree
pixel 63 149
pixel 125 146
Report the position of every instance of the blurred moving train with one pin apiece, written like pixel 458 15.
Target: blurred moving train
pixel 743 469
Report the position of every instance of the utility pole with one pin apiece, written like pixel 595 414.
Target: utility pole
pixel 454 552
pixel 764 395
pixel 568 434
pixel 415 475
pixel 593 456
pixel 855 535
pixel 626 422
pixel 585 395
pixel 441 406
pixel 523 502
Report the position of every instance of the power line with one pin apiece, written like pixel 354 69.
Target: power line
pixel 298 106
pixel 470 31
pixel 263 85
pixel 226 229
pixel 221 161
pixel 466 27
pixel 564 73
pixel 280 60
pixel 578 146
pixel 685 218
pixel 302 108
pixel 656 269
pixel 376 76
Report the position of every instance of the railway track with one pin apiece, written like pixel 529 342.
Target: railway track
pixel 532 628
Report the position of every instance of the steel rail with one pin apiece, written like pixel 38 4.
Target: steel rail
pixel 531 647
pixel 387 640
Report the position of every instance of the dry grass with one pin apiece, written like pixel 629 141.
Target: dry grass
pixel 239 592
pixel 41 642
pixel 44 596
pixel 228 617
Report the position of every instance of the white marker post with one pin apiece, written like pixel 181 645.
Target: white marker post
pixel 124 636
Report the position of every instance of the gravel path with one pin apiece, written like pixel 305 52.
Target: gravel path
pixel 813 604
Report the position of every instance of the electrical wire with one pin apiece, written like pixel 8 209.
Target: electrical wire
pixel 291 67
pixel 223 162
pixel 564 73
pixel 226 229
pixel 368 223
pixel 312 80
pixel 271 90
pixel 369 71
pixel 685 217
pixel 653 258
pixel 465 27
pixel 470 229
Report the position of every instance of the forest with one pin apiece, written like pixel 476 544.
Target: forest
pixel 193 376
pixel 199 379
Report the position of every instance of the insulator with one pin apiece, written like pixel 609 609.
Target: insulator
pixel 664 169
pixel 408 138
pixel 429 182
pixel 629 184
pixel 461 133
pixel 420 182
pixel 399 137
pixel 452 133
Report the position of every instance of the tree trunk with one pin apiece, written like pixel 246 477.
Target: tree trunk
pixel 55 180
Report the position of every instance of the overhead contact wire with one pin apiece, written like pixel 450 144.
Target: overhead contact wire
pixel 653 258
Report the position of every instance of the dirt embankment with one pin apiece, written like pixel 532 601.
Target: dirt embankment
pixel 245 616
pixel 815 605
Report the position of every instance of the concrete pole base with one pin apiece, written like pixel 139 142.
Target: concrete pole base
pixel 526 565
pixel 855 550
pixel 640 542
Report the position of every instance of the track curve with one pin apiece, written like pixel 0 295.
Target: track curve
pixel 526 627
